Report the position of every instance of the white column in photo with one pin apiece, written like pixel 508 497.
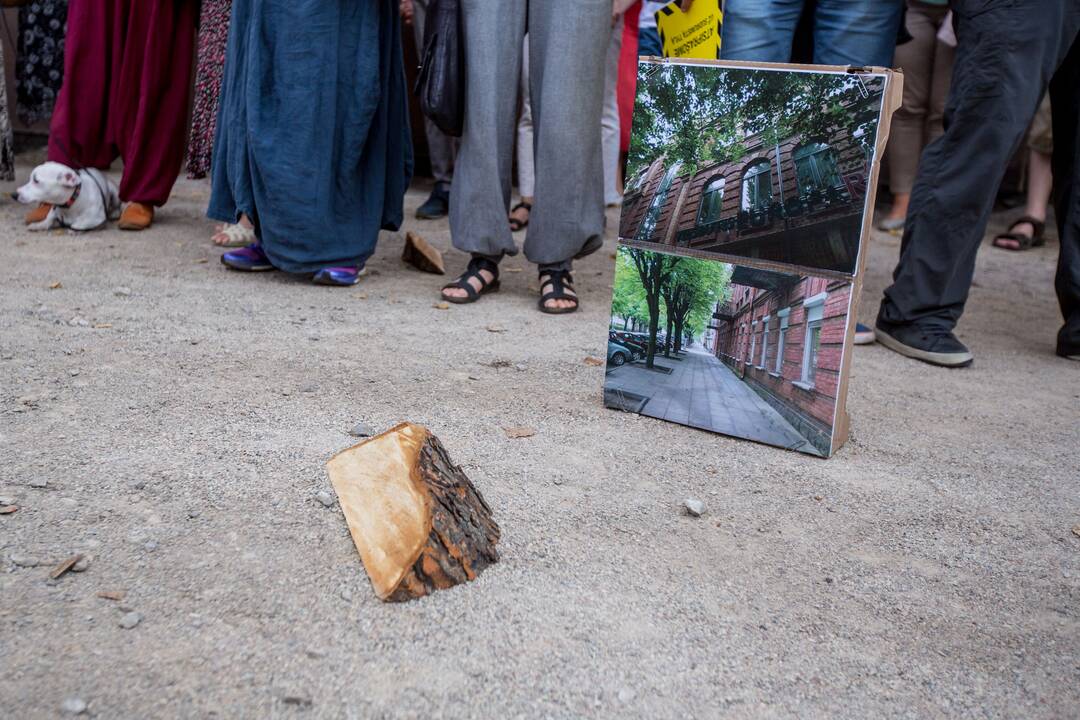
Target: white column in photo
pixel 783 315
pixel 815 313
pixel 753 343
pixel 765 342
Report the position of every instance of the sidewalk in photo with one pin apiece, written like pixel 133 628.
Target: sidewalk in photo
pixel 703 392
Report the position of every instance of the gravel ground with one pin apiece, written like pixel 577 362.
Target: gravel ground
pixel 171 420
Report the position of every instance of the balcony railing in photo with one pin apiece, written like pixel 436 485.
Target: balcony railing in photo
pixel 813 202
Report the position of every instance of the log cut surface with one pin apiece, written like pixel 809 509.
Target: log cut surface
pixel 416 519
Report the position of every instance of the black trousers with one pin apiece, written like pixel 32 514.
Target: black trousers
pixel 1008 52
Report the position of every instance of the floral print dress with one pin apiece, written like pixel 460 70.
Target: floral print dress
pixel 39 67
pixel 7 152
pixel 213 37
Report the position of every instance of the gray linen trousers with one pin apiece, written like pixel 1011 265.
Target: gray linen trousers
pixel 568 41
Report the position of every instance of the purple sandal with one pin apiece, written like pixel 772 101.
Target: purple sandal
pixel 338 276
pixel 247 259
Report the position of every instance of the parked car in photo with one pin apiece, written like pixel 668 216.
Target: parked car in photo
pixel 628 340
pixel 618 355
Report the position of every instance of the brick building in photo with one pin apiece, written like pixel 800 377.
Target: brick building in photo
pixel 784 336
pixel 798 202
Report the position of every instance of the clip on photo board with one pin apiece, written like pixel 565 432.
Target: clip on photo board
pixel 742 243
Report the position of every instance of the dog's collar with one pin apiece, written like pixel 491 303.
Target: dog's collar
pixel 73 198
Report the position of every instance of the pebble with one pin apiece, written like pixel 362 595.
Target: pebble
pixel 81 565
pixel 694 507
pixel 139 484
pixel 361 430
pixel 73 706
pixel 192 514
pixel 130 620
pixel 309 388
pixel 38 483
pixel 73 373
pixel 345 595
pixel 325 498
pixel 24 560
pixel 151 545
pixel 122 291
pixel 626 695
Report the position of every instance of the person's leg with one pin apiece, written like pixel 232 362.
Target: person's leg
pixel 907 135
pixel 441 147
pixel 1066 108
pixel 567 38
pixel 78 129
pixel 519 217
pixel 610 119
pixel 856 32
pixel 760 30
pixel 940 81
pixel 480 196
pixel 150 95
pixel 1026 231
pixel 993 98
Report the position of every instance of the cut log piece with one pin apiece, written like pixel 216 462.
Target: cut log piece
pixel 417 521
pixel 422 255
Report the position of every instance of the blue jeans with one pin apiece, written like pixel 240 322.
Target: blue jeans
pixel 846 32
pixel 649 43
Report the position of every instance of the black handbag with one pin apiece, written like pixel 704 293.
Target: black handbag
pixel 440 84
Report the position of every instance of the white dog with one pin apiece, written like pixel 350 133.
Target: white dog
pixel 80 200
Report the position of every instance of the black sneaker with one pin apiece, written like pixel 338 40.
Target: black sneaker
pixel 937 347
pixel 436 206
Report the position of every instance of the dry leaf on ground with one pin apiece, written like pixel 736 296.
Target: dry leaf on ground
pixel 56 285
pixel 594 361
pixel 65 566
pixel 441 306
pixel 518 432
pixel 114 595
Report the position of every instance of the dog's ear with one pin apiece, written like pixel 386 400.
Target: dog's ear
pixel 70 180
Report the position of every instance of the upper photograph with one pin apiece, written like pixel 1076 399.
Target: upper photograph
pixel 771 164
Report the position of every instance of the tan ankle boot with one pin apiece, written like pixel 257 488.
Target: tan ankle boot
pixel 136 216
pixel 38 214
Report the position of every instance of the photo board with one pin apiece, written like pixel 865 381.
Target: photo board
pixel 749 195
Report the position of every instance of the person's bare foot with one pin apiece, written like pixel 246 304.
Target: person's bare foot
pixel 480 278
pixel 238 235
pixel 899 208
pixel 1021 227
pixel 569 303
pixel 520 214
pixel 458 293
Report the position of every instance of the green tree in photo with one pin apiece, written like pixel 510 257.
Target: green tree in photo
pixel 689 289
pixel 695 114
pixel 652 270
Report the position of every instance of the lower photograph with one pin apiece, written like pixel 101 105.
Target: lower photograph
pixel 733 349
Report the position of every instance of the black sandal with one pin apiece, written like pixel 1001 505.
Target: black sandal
pixel 1023 242
pixel 516 224
pixel 559 280
pixel 477 264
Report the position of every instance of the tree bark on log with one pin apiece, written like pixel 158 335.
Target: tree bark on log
pixel 416 519
pixel 422 255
